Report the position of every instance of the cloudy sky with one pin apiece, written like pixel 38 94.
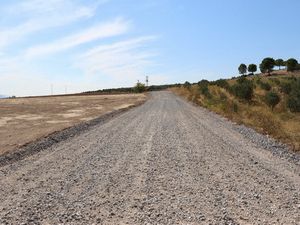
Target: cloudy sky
pixel 82 45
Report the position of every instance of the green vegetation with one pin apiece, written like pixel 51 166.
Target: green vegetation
pixel 243 89
pixel 267 65
pixel 293 102
pixel 252 68
pixel 286 87
pixel 291 64
pixel 264 85
pixel 139 87
pixel 269 104
pixel 203 88
pixel 221 83
pixel 242 69
pixel 272 99
pixel 187 84
pixel 124 90
pixel 279 63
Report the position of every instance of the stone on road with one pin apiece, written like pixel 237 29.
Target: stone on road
pixel 165 162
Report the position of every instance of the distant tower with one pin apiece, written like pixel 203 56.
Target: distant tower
pixel 147 81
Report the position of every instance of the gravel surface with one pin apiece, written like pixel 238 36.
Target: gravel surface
pixel 165 162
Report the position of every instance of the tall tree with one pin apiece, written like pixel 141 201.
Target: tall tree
pixel 279 62
pixel 291 64
pixel 267 65
pixel 252 68
pixel 242 69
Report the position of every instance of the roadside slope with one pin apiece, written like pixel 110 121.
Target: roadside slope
pixel 165 162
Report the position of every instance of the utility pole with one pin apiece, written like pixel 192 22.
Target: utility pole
pixel 147 81
pixel 51 89
pixel 66 89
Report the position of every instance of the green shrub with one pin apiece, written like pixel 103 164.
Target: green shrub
pixel 243 89
pixel 203 82
pixel 205 91
pixel 187 84
pixel 203 88
pixel 265 86
pixel 272 99
pixel 139 87
pixel 286 87
pixel 276 81
pixel 293 102
pixel 221 83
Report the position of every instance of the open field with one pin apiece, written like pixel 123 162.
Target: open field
pixel 23 120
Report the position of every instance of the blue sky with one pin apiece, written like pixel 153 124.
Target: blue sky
pixel 88 45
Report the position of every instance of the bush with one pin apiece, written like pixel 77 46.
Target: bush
pixel 272 99
pixel 139 87
pixel 203 82
pixel 243 89
pixel 265 86
pixel 293 102
pixel 203 88
pixel 205 91
pixel 275 80
pixel 221 83
pixel 286 87
pixel 187 84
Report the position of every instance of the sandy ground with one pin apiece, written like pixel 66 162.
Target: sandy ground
pixel 23 120
pixel 165 162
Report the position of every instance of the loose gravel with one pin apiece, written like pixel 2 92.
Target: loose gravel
pixel 165 162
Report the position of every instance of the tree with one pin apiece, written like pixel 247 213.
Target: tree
pixel 139 87
pixel 272 99
pixel 291 64
pixel 267 65
pixel 279 63
pixel 242 69
pixel 252 68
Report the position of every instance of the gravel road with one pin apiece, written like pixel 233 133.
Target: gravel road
pixel 165 162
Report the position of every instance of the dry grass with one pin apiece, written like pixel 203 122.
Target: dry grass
pixel 279 123
pixel 23 120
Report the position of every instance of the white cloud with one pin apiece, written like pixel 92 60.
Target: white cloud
pixel 40 15
pixel 25 70
pixel 126 59
pixel 99 31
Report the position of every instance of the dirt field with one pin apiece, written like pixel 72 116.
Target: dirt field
pixel 23 120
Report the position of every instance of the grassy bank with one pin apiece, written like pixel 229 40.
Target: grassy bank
pixel 266 103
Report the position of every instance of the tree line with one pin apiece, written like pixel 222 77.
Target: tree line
pixel 267 66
